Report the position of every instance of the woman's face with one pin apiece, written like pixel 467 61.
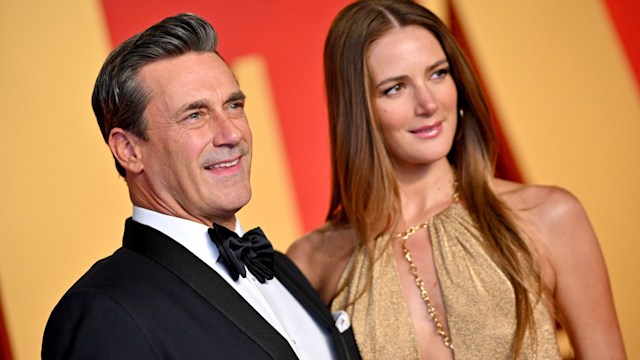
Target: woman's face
pixel 414 98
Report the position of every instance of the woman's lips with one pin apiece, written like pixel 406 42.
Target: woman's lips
pixel 428 131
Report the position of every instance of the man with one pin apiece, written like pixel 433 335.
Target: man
pixel 183 286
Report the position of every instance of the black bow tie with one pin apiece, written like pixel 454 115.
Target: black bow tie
pixel 253 250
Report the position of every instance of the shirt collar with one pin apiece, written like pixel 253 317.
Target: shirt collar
pixel 190 234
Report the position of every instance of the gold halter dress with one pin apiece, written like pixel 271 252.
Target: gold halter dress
pixel 479 300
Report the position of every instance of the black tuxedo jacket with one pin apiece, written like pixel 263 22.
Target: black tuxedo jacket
pixel 153 299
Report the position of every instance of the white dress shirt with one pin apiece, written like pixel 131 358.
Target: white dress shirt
pixel 270 299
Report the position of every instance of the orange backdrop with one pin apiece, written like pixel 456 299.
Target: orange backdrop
pixel 562 76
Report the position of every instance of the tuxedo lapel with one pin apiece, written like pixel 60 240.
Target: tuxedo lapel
pixel 291 277
pixel 206 282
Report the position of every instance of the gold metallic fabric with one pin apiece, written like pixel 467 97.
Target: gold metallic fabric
pixel 479 300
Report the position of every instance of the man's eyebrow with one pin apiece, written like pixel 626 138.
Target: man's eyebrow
pixel 236 96
pixel 191 106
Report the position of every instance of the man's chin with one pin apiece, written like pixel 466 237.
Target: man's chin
pixel 235 199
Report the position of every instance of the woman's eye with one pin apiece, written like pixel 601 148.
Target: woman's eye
pixel 393 90
pixel 440 73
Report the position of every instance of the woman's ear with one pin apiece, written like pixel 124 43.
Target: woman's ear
pixel 124 147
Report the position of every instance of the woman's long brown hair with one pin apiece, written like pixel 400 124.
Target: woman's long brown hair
pixel 365 192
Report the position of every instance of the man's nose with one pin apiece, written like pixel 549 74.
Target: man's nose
pixel 226 131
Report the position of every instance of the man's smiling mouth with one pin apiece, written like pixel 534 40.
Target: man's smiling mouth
pixel 223 165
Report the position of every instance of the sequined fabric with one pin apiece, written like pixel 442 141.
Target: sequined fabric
pixel 479 300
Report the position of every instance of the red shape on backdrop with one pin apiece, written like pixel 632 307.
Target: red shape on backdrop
pixel 289 34
pixel 626 18
pixel 5 348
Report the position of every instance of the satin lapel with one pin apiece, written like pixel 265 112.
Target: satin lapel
pixel 291 277
pixel 206 282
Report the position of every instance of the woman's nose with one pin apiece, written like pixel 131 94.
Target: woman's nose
pixel 426 103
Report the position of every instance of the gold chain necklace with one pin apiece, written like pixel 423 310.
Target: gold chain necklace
pixel 431 310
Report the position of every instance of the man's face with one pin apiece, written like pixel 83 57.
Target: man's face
pixel 197 161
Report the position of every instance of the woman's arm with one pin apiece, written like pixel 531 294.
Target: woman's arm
pixel 582 289
pixel 322 256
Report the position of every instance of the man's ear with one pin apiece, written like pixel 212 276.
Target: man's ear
pixel 124 147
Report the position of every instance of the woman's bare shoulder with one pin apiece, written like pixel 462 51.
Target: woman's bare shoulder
pixel 550 216
pixel 322 256
pixel 547 206
pixel 552 219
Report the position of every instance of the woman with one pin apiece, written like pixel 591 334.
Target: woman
pixel 431 256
